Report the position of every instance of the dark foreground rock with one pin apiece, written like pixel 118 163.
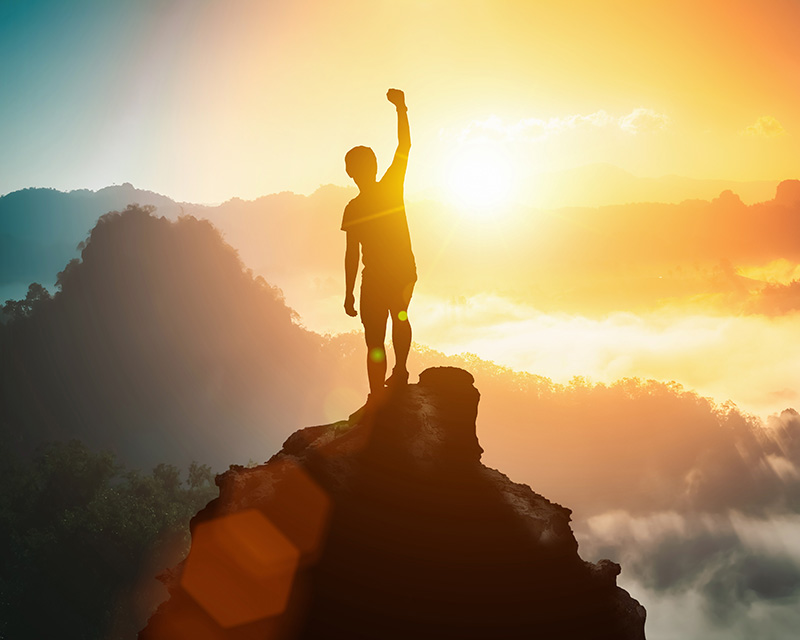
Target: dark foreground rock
pixel 388 526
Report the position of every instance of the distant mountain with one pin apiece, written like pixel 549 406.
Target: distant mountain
pixel 661 250
pixel 40 229
pixel 161 346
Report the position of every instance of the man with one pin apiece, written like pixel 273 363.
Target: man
pixel 377 232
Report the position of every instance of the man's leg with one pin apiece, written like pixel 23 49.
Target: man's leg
pixel 401 339
pixel 401 335
pixel 373 317
pixel 375 334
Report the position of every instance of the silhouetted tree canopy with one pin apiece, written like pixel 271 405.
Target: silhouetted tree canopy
pixel 159 345
pixel 16 309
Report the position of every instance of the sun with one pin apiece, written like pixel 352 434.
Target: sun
pixel 479 180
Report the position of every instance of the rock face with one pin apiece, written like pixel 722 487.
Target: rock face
pixel 388 526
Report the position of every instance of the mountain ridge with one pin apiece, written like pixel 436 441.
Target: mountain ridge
pixel 41 227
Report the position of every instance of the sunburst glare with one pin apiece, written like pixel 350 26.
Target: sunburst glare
pixel 479 180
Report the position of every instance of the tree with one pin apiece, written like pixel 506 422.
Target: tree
pixel 36 296
pixel 76 532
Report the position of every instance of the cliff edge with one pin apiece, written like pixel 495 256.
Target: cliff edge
pixel 387 525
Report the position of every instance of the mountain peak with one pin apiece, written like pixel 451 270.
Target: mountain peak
pixel 788 193
pixel 387 525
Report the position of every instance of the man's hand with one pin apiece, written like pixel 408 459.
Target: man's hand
pixel 397 98
pixel 350 305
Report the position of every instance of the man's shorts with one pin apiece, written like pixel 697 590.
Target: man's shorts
pixel 378 298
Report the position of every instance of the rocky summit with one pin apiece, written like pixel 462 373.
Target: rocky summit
pixel 387 525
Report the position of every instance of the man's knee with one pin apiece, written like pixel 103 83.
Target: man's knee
pixel 376 354
pixel 399 318
pixel 375 334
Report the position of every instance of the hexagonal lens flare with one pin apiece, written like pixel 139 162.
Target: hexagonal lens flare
pixel 240 568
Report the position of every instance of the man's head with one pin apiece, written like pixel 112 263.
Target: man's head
pixel 361 165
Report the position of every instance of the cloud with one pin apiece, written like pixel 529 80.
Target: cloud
pixel 776 299
pixel 643 120
pixel 752 360
pixel 634 444
pixel 640 120
pixel 765 127
pixel 735 567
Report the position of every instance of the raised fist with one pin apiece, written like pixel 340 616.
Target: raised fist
pixel 397 98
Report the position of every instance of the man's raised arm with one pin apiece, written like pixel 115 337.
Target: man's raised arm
pixel 398 99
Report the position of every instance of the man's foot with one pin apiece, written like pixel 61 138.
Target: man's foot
pixel 399 378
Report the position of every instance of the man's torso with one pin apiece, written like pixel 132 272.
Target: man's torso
pixel 377 218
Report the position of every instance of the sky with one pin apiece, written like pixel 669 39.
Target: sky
pixel 204 101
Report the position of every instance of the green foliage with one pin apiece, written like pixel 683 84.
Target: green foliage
pixel 77 532
pixel 199 475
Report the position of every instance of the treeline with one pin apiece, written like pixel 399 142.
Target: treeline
pixel 82 539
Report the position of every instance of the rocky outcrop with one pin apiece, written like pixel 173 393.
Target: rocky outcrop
pixel 388 526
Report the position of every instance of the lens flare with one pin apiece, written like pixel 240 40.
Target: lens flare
pixel 241 568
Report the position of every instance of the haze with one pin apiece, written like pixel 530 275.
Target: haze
pixel 605 191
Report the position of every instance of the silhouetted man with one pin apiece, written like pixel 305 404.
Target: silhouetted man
pixel 377 229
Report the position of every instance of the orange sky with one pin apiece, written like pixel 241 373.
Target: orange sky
pixel 708 73
pixel 203 101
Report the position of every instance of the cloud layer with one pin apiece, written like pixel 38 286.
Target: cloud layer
pixel 731 576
